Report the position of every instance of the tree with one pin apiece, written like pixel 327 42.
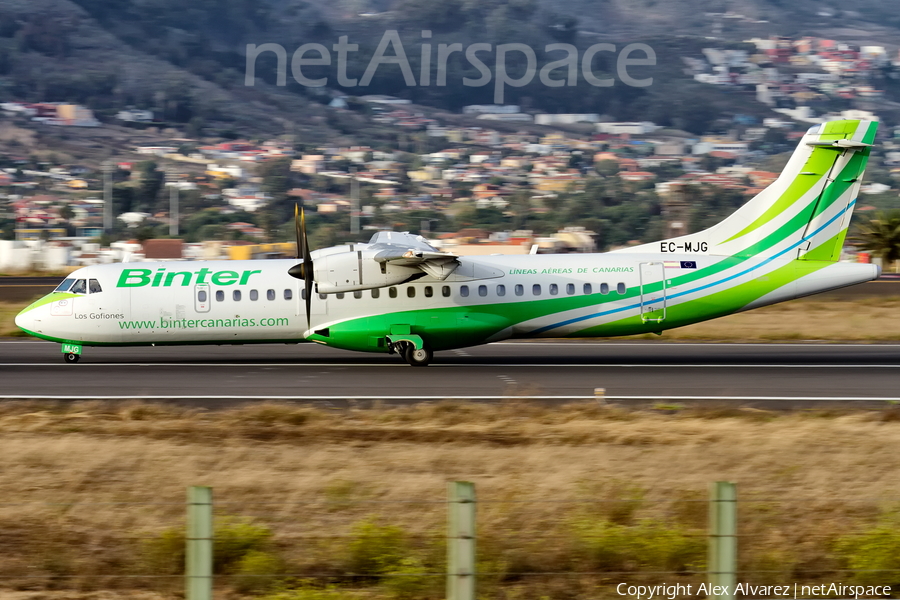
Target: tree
pixel 151 183
pixel 66 212
pixel 880 235
pixel 607 168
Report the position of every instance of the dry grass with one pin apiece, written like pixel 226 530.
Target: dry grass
pixel 865 319
pixel 8 312
pixel 807 478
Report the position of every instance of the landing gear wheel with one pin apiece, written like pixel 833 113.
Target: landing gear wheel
pixel 418 357
pixel 71 358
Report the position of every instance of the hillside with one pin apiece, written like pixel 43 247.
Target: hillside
pixel 187 63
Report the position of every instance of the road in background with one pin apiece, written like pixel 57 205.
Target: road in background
pixel 760 374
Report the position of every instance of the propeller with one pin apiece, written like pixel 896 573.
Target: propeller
pixel 303 270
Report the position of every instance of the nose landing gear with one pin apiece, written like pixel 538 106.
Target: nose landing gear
pixel 71 358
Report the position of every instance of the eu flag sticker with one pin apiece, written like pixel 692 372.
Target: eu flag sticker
pixel 688 264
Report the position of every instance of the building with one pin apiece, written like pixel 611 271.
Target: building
pixel 710 144
pixel 510 117
pixel 627 128
pixel 135 116
pixel 310 164
pixel 163 249
pixel 566 119
pixel 493 109
pixel 76 116
pixel 224 171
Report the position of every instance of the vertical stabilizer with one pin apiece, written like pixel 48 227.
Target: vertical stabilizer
pixel 805 212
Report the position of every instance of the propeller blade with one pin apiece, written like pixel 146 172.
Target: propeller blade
pixel 303 270
pixel 304 236
pixel 308 287
pixel 308 270
pixel 297 229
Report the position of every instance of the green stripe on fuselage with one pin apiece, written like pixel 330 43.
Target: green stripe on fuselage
pixel 49 298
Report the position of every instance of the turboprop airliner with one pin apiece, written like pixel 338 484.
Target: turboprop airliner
pixel 398 294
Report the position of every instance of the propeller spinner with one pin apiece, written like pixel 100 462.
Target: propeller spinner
pixel 303 270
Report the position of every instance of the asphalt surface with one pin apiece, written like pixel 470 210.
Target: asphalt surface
pixel 766 375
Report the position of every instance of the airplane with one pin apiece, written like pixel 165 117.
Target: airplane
pixel 399 294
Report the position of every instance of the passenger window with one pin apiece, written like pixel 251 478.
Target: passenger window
pixel 236 295
pixel 570 289
pixel 270 295
pixel 220 296
pixel 65 285
pixel 392 292
pixel 482 290
pixel 94 286
pixel 303 294
pixel 604 288
pixel 620 288
pixel 464 291
pixel 587 289
pixel 445 291
pixel 322 296
pixel 254 295
pixel 340 295
pixel 201 296
pixel 429 291
pixel 79 287
pixel 536 289
pixel 501 290
pixel 410 292
pixel 288 294
pixel 554 289
pixel 375 292
pixel 357 294
pixel 520 289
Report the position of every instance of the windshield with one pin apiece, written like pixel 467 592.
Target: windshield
pixel 64 286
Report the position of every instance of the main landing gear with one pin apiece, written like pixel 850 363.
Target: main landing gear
pixel 411 347
pixel 417 357
pixel 71 358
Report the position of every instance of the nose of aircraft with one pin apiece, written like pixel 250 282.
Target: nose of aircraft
pixel 23 320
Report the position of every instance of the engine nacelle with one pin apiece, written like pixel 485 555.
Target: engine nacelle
pixel 352 271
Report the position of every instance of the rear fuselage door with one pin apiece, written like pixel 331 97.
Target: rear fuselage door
pixel 653 292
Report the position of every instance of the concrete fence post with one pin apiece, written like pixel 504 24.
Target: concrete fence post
pixel 199 551
pixel 461 541
pixel 722 568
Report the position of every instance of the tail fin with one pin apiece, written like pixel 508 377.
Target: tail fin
pixel 804 213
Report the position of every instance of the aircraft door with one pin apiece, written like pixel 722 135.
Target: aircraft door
pixel 202 299
pixel 653 292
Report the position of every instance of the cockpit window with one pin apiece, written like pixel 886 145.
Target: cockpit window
pixel 64 286
pixel 95 286
pixel 79 287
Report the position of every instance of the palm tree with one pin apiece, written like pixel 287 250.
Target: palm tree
pixel 880 235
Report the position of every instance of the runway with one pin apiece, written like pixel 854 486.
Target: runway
pixel 770 375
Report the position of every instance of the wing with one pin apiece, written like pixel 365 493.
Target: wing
pixel 407 250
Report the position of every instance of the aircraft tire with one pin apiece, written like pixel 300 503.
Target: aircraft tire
pixel 71 358
pixel 418 358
